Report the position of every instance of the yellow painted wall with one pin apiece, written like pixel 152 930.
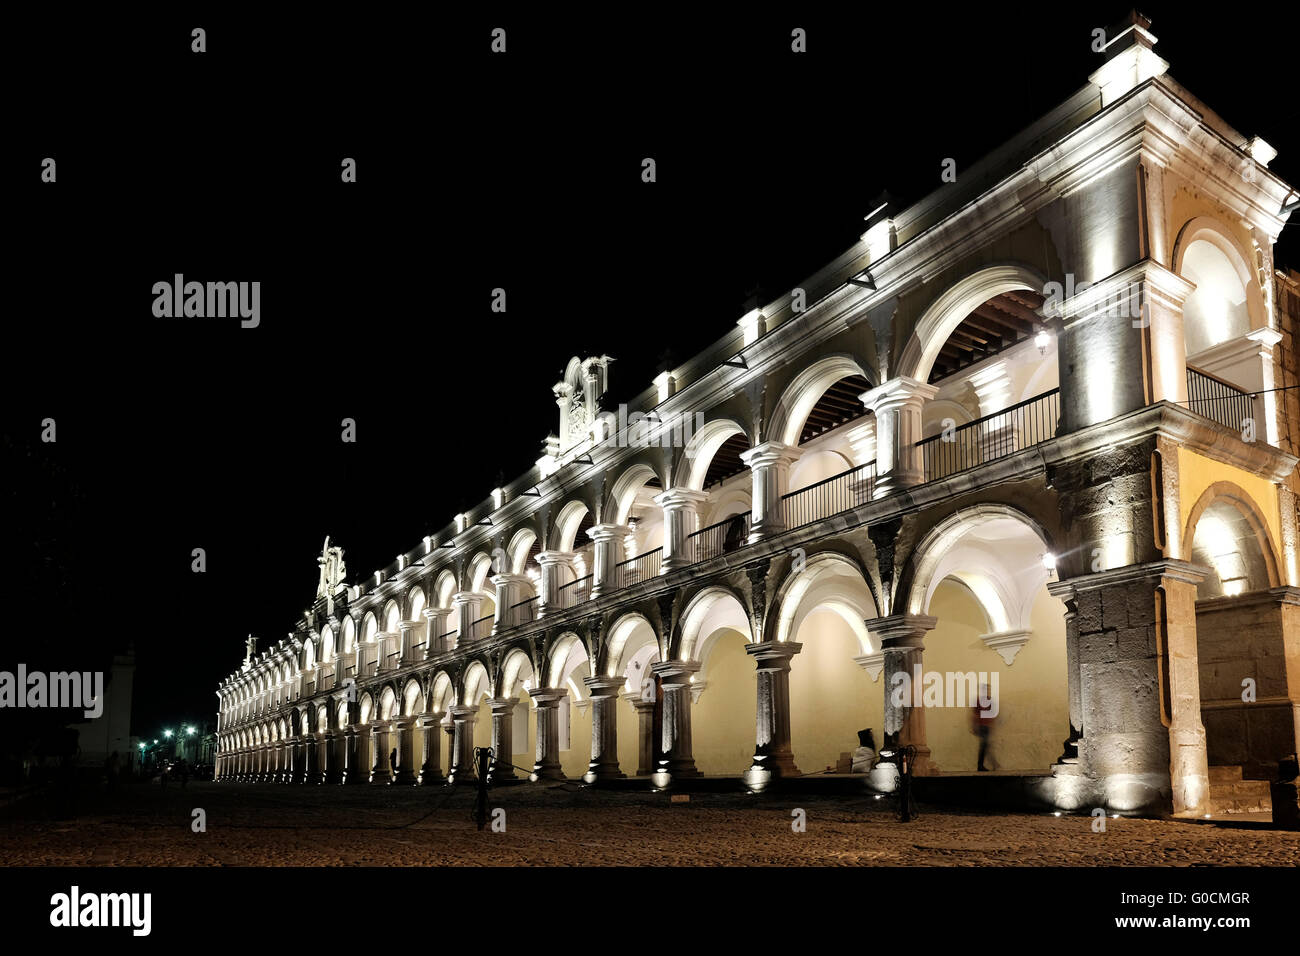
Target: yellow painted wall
pixel 831 696
pixel 1033 718
pixel 1196 473
pixel 577 758
pixel 722 723
pixel 627 726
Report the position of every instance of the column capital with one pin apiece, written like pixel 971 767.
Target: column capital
pixel 429 721
pixel 680 498
pixel 604 686
pixel 462 711
pixel 510 578
pixel 897 393
pixel 773 655
pixel 770 453
pixel 502 705
pixel 436 613
pixel 561 558
pixel 608 532
pixel 461 598
pixel 901 631
pixel 409 625
pixel 548 696
pixel 675 673
pixel 872 663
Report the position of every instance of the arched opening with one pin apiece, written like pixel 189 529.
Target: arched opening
pixel 567 665
pixel 715 631
pixel 632 503
pixel 631 651
pixel 833 695
pixel 516 680
pixel 1246 703
pixel 999 634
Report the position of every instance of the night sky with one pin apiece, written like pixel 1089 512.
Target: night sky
pixel 474 171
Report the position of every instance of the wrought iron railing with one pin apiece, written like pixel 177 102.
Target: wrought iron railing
pixel 641 568
pixel 830 496
pixel 986 439
pixel 481 628
pixel 1219 401
pixel 524 612
pixel 446 642
pixel 721 538
pixel 575 592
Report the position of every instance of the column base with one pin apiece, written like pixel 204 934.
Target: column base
pixel 404 778
pixel 379 778
pixel 767 768
pixel 549 773
pixel 430 778
pixel 598 772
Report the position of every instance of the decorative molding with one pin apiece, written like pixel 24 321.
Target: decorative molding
pixel 1007 643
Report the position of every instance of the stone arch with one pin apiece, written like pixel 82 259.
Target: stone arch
pixel 444 587
pixel 622 641
pixel 828 579
pixel 921 571
pixel 392 616
pixel 412 698
pixel 557 655
pixel 442 690
pixel 308 654
pixel 327 644
pixel 624 491
pixel 1236 518
pixel 804 391
pixel 388 703
pixel 952 306
pixel 475 684
pixel 369 627
pixel 349 634
pixel 1211 231
pixel 711 599
pixel 480 570
pixel 365 709
pixel 521 544
pixel 564 533
pixel 697 456
pixel 415 602
pixel 517 664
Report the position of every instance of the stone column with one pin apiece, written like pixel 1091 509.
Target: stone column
pixel 902 639
pixel 645 726
pixel 323 741
pixel 501 768
pixel 897 406
pixel 769 466
pixel 310 767
pixel 682 508
pixel 1065 591
pixel 547 766
pixel 996 437
pixel 678 760
pixel 379 772
pixel 410 631
pixel 609 552
pixel 551 563
pixel 604 729
pixel 405 761
pixel 384 641
pixel 772 756
pixel 353 772
pixel 430 765
pixel 462 744
pixel 297 761
pixel 437 619
pixel 466 605
pixel 1143 744
pixel 449 730
pixel 510 591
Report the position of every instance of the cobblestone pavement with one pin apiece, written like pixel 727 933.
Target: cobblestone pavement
pixel 570 825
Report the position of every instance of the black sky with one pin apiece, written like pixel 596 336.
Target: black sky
pixel 475 171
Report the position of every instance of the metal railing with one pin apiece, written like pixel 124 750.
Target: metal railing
pixel 830 496
pixel 524 612
pixel 575 592
pixel 481 628
pixel 986 439
pixel 1219 401
pixel 721 538
pixel 445 642
pixel 641 568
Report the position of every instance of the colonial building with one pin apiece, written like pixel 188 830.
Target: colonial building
pixel 1030 434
